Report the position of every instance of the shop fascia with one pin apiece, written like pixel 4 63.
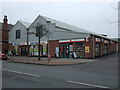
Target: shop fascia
pixel 30 43
pixel 72 40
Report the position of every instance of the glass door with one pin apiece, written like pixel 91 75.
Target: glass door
pixel 23 51
pixel 97 49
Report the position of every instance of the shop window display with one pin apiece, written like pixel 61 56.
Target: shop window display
pixel 80 50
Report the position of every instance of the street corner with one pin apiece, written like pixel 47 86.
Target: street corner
pixel 51 62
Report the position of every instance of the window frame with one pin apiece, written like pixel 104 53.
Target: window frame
pixel 18 34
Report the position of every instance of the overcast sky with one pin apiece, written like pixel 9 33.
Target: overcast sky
pixel 92 16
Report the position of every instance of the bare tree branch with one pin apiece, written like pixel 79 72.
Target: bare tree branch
pixel 116 9
pixel 112 21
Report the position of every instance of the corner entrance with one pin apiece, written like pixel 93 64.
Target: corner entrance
pixel 65 50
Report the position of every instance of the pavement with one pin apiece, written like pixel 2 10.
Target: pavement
pixel 45 61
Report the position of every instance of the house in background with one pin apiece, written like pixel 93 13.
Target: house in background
pixel 4 35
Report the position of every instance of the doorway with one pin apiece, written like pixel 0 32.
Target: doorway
pixel 65 50
pixel 23 50
pixel 98 49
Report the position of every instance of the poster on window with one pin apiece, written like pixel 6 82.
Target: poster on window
pixel 87 49
pixel 71 47
pixel 44 49
pixel 57 52
pixel 31 50
pixel 57 49
pixel 36 50
pixel 16 50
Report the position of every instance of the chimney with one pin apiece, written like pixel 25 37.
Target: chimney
pixel 5 23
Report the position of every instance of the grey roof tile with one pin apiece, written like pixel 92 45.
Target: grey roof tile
pixel 67 26
pixel 26 24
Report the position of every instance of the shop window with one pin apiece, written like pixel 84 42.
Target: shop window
pixel 105 49
pixel 80 50
pixel 17 34
pixel 97 49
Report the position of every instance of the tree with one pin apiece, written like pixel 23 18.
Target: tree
pixel 40 32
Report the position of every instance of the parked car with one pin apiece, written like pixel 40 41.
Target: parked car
pixel 3 56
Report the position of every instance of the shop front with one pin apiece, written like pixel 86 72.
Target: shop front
pixel 34 49
pixel 15 50
pixel 72 48
pixel 105 47
pixel 65 50
pixel 23 50
pixel 98 47
pixel 80 49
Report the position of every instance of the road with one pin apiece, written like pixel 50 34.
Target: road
pixel 102 73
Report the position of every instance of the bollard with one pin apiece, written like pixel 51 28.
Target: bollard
pixel 49 58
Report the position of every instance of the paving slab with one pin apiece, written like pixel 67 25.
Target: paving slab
pixel 45 61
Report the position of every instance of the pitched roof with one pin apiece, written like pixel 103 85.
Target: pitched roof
pixel 115 39
pixel 67 26
pixel 26 24
pixel 10 26
pixel 72 28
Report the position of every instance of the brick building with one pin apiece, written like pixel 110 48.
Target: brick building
pixel 4 35
pixel 62 40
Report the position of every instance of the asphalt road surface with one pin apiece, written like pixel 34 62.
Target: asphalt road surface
pixel 102 73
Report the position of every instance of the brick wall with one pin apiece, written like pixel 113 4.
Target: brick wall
pixel 119 44
pixel 11 48
pixel 90 44
pixel 52 46
pixel 102 49
pixel 4 35
pixel 5 47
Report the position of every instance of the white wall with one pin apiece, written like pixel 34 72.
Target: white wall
pixel 40 21
pixel 12 34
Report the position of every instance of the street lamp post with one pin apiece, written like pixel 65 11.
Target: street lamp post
pixel 27 42
pixel 39 48
pixel 93 47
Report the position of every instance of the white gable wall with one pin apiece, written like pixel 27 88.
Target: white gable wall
pixel 41 21
pixel 12 34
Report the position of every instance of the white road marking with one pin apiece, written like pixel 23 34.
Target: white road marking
pixel 21 73
pixel 87 84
